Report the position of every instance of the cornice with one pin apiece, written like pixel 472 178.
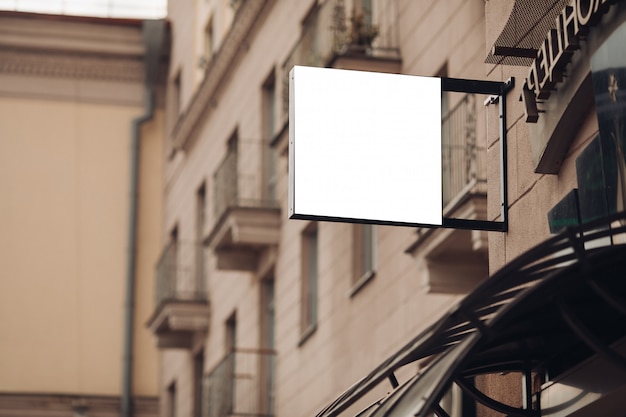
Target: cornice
pixel 83 37
pixel 36 404
pixel 218 70
pixel 73 66
pixel 71 48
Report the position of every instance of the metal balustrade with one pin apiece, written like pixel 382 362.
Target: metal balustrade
pixel 241 384
pixel 463 161
pixel 243 178
pixel 180 273
pixel 335 30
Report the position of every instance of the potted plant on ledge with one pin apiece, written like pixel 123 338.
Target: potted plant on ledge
pixel 362 33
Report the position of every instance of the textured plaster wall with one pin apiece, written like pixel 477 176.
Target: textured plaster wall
pixel 64 175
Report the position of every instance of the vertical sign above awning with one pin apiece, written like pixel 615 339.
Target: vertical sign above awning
pixel 364 147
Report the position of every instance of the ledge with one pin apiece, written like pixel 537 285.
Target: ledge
pixel 242 234
pixel 175 322
pixel 56 404
pixel 306 334
pixel 363 59
pixel 469 248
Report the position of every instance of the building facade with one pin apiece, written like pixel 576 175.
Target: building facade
pixel 259 315
pixel 150 158
pixel 81 112
pixel 544 335
pixel 297 310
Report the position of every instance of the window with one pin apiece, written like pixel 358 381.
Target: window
pixel 225 179
pixel 268 111
pixel 171 400
pixel 364 255
pixel 198 374
pixel 363 30
pixel 268 361
pixel 267 313
pixel 230 365
pixel 209 40
pixel 177 95
pixel 230 341
pixel 309 278
pixel 200 225
pixel 364 9
pixel 172 263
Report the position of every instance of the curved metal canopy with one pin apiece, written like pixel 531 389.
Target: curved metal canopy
pixel 552 307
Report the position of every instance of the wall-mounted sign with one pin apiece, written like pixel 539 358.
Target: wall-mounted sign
pixel 556 51
pixel 364 146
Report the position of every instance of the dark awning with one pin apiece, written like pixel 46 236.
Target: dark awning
pixel 559 303
pixel 524 31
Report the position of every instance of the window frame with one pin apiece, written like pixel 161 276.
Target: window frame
pixel 364 256
pixel 309 281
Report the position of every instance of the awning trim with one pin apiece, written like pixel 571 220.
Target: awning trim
pixel 524 31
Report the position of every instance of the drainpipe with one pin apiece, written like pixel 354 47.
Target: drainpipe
pixel 153 32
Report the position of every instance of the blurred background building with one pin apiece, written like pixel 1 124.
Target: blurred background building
pixel 256 315
pixel 81 137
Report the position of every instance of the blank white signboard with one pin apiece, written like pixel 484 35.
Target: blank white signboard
pixel 364 146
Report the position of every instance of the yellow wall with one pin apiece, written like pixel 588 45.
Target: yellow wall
pixel 64 185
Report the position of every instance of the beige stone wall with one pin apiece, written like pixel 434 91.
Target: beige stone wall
pixel 435 34
pixel 65 140
pixel 62 247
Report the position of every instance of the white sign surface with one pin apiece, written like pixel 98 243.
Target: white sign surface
pixel 364 146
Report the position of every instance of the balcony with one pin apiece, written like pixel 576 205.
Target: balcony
pixel 463 159
pixel 242 384
pixel 336 37
pixel 246 217
pixel 182 308
pixel 464 187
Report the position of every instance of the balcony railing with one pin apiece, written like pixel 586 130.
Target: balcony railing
pixel 463 160
pixel 180 273
pixel 333 30
pixel 243 179
pixel 242 384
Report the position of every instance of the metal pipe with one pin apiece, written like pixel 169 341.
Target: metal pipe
pixel 152 31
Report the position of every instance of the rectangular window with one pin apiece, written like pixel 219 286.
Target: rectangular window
pixel 177 95
pixel 230 364
pixel 364 255
pixel 200 225
pixel 198 375
pixel 268 112
pixel 230 341
pixel 267 358
pixel 267 313
pixel 226 179
pixel 363 11
pixel 172 265
pixel 171 400
pixel 209 40
pixel 309 280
